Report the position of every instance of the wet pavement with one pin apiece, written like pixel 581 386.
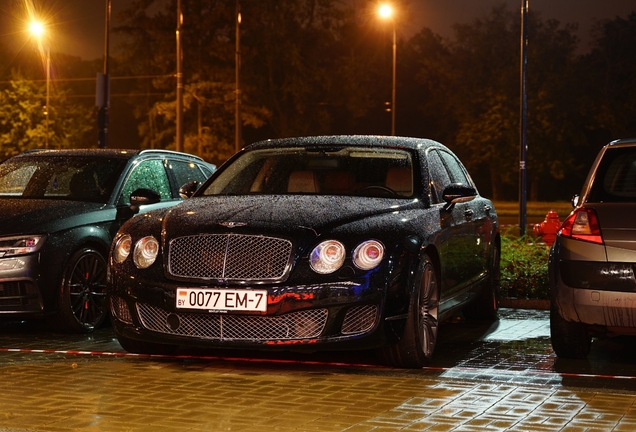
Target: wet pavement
pixel 485 376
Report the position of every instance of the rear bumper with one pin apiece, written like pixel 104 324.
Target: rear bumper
pixel 608 299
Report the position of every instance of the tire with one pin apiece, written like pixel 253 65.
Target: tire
pixel 140 347
pixel 416 347
pixel 82 301
pixel 486 305
pixel 569 339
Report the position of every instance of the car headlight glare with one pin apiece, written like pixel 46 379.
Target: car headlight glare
pixel 146 251
pixel 327 257
pixel 122 248
pixel 20 245
pixel 368 255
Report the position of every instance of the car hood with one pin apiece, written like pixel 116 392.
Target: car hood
pixel 275 213
pixel 19 216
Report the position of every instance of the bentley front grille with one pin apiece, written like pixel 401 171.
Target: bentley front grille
pixel 306 324
pixel 229 256
pixel 359 319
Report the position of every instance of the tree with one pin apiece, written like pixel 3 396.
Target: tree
pixel 208 65
pixel 473 81
pixel 611 66
pixel 23 120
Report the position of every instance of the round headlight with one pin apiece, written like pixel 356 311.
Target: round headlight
pixel 368 254
pixel 327 257
pixel 122 248
pixel 146 251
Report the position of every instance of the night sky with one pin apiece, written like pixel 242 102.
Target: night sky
pixel 79 24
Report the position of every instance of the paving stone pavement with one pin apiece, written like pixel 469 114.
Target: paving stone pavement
pixel 485 377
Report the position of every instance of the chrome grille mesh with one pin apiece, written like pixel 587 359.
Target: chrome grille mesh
pixel 359 319
pixel 120 309
pixel 229 256
pixel 296 325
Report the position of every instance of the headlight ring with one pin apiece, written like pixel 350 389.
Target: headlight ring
pixel 368 254
pixel 123 246
pixel 327 257
pixel 146 252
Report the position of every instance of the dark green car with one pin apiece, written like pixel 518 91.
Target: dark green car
pixel 59 211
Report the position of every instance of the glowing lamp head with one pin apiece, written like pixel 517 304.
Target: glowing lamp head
pixel 36 28
pixel 385 11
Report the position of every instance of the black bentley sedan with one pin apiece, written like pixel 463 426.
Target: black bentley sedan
pixel 315 243
pixel 59 211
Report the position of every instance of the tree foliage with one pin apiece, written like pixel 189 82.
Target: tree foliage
pixel 23 123
pixel 312 67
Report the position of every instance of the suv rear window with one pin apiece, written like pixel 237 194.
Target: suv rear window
pixel 615 178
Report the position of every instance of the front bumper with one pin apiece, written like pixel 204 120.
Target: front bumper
pixel 19 291
pixel 338 315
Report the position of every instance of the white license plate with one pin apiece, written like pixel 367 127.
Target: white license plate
pixel 222 299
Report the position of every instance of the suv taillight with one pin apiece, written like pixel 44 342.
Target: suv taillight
pixel 582 224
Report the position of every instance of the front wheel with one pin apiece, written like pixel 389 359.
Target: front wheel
pixel 416 347
pixel 82 304
pixel 569 339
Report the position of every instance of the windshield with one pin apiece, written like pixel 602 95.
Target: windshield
pixel 75 178
pixel 352 171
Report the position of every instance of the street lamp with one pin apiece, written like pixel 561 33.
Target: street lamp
pixel 386 12
pixel 37 30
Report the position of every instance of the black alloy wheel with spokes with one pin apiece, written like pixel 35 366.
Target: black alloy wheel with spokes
pixel 416 347
pixel 83 304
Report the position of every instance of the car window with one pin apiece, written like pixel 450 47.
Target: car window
pixel 455 170
pixel 14 179
pixel 439 177
pixel 615 178
pixel 322 171
pixel 148 174
pixel 185 172
pixel 70 177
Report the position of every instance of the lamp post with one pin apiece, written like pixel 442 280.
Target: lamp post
pixel 523 123
pixel 103 86
pixel 37 29
pixel 179 119
pixel 237 108
pixel 386 12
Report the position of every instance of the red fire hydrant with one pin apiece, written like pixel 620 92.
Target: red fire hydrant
pixel 548 229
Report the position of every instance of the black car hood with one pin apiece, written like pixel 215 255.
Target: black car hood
pixel 317 213
pixel 19 216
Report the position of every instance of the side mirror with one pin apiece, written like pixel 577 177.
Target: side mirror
pixel 141 197
pixel 575 200
pixel 188 189
pixel 457 193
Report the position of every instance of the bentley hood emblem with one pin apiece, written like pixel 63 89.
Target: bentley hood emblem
pixel 232 224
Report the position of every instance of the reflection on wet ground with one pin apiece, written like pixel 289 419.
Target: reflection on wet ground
pixel 500 376
pixel 516 350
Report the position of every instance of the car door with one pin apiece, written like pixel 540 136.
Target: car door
pixel 456 246
pixel 475 219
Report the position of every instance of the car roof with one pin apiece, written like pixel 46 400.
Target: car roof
pixel 349 140
pixel 105 152
pixel 625 142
